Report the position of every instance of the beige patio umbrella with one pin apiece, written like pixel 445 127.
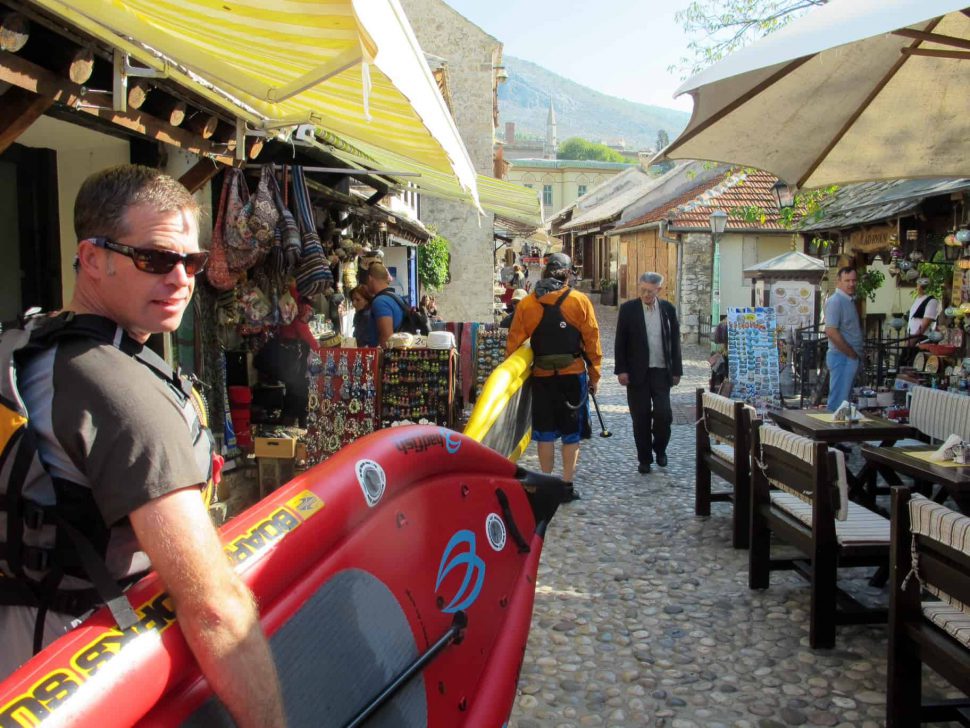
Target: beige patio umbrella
pixel 857 90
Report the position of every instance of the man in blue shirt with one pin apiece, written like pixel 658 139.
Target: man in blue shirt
pixel 844 331
pixel 388 314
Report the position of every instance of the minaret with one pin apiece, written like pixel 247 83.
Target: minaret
pixel 552 143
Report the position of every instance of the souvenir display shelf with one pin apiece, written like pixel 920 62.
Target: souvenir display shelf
pixel 344 397
pixel 418 383
pixel 490 352
pixel 753 355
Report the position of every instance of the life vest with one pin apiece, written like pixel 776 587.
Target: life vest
pixel 44 539
pixel 555 342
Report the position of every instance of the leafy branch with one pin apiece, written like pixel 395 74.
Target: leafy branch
pixel 434 259
pixel 718 27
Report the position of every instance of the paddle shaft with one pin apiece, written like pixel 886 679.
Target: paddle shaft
pixel 387 693
pixel 603 431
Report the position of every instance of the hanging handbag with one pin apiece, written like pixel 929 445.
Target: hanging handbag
pixel 241 249
pixel 217 271
pixel 255 224
pixel 313 275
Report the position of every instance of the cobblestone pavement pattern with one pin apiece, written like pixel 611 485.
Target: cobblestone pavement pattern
pixel 643 615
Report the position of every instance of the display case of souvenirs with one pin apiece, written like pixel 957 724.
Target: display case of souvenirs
pixel 489 353
pixel 418 384
pixel 343 401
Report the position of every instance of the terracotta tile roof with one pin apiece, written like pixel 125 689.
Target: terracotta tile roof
pixel 731 193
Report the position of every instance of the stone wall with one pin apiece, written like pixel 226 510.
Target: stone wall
pixel 471 55
pixel 696 270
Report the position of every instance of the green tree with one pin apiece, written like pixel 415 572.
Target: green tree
pixel 579 148
pixel 663 139
pixel 718 27
pixel 434 259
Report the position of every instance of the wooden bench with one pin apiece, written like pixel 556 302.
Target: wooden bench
pixel 799 494
pixel 726 421
pixel 931 555
pixel 937 414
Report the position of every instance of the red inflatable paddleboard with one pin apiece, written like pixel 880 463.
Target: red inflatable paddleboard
pixel 395 583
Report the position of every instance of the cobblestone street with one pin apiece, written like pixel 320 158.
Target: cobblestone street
pixel 643 615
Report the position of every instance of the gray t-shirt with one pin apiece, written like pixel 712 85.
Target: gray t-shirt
pixel 841 314
pixel 105 422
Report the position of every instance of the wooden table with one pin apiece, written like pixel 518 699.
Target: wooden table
pixel 862 485
pixel 954 480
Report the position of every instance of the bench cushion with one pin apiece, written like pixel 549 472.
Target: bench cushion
pixel 862 526
pixel 938 523
pixel 939 414
pixel 955 622
pixel 804 449
pixel 723 451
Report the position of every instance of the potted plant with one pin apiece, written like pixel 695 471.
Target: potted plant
pixel 608 292
pixel 870 280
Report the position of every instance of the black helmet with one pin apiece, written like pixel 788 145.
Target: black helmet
pixel 558 261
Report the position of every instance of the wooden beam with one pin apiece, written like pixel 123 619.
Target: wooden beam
pixel 18 110
pixel 931 53
pixel 254 147
pixel 202 124
pixel 137 93
pixel 200 173
pixel 14 32
pixel 949 40
pixel 165 107
pixel 30 77
pixel 78 64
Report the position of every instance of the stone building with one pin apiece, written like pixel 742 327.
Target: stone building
pixel 471 57
pixel 669 231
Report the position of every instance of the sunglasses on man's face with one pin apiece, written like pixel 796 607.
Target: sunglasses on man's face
pixel 155 260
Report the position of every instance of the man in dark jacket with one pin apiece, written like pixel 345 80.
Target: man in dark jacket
pixel 648 364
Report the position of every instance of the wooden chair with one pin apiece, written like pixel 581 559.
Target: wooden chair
pixel 931 554
pixel 726 421
pixel 799 495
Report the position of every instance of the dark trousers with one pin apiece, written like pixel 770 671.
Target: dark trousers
pixel 650 409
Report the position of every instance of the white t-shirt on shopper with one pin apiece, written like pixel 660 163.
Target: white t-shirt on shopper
pixel 931 311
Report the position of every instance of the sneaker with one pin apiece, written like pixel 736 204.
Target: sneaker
pixel 662 459
pixel 643 468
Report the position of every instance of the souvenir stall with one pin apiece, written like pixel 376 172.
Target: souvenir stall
pixel 295 388
pixel 789 284
pixel 489 353
pixel 753 356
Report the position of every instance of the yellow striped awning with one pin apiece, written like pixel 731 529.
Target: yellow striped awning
pixel 353 68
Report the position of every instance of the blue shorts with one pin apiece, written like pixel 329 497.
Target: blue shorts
pixel 560 408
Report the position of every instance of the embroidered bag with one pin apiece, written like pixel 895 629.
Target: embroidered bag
pixel 217 271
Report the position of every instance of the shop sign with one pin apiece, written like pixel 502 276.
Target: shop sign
pixel 872 239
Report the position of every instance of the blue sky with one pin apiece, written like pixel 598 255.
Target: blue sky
pixel 619 47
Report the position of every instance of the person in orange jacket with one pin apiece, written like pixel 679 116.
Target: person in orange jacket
pixel 565 338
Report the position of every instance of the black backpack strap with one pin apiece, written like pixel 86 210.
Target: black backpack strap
pixel 558 303
pixel 405 309
pixel 84 325
pixel 921 309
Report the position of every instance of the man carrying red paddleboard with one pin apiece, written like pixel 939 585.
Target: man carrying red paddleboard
pixel 124 452
pixel 565 336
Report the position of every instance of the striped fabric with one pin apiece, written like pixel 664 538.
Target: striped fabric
pixel 804 449
pixel 861 526
pixel 939 413
pixel 951 620
pixel 354 70
pixel 716 402
pixel 938 523
pixel 723 451
pixel 723 405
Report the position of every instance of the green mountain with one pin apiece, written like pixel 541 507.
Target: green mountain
pixel 580 111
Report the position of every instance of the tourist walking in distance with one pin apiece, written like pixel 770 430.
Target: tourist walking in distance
pixel 648 364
